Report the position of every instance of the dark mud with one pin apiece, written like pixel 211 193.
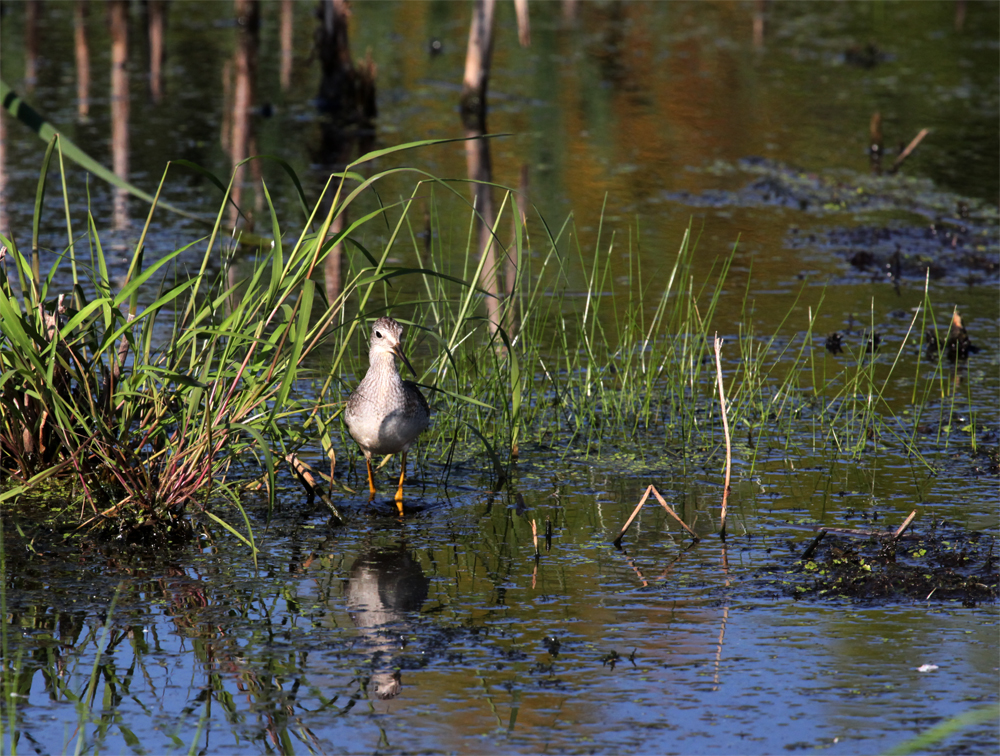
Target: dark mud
pixel 944 563
pixel 942 250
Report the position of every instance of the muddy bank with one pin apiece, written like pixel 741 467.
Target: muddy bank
pixel 943 563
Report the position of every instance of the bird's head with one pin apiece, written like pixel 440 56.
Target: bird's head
pixel 387 338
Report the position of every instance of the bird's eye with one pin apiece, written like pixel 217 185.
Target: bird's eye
pixel 378 334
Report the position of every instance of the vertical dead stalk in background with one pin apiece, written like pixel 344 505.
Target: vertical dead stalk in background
pixel 32 12
pixel 875 148
pixel 480 170
pixel 333 265
pixel 725 430
pixel 759 13
pixel 4 220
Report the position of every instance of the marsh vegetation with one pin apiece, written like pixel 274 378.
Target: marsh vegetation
pixel 187 553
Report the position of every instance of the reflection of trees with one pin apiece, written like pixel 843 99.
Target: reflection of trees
pixel 479 166
pixel 347 90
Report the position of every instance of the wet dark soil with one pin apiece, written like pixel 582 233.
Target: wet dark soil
pixel 944 250
pixel 943 563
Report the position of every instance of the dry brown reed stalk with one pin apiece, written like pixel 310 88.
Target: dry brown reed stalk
pixel 534 536
pixel 651 489
pixel 725 430
pixel 906 523
pixel 901 158
pixel 856 532
pixel 304 473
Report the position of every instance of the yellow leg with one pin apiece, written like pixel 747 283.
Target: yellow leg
pixel 371 479
pixel 399 493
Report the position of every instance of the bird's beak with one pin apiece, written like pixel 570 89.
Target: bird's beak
pixel 398 351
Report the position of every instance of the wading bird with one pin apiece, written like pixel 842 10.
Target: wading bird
pixel 385 414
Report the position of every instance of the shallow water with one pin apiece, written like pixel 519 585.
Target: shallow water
pixel 666 646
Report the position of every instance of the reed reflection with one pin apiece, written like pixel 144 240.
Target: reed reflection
pixel 479 166
pixel 156 21
pixel 477 150
pixel 285 34
pixel 81 47
pixel 118 23
pixel 32 13
pixel 241 137
pixel 347 108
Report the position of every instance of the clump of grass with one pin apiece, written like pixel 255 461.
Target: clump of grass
pixel 146 410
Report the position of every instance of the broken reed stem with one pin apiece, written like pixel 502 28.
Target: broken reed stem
pixel 725 430
pixel 651 489
pixel 673 514
pixel 906 523
pixel 534 536
pixel 901 158
pixel 635 512
pixel 304 473
pixel 855 532
pixel 811 549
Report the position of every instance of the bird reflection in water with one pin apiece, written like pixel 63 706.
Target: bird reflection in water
pixel 386 587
